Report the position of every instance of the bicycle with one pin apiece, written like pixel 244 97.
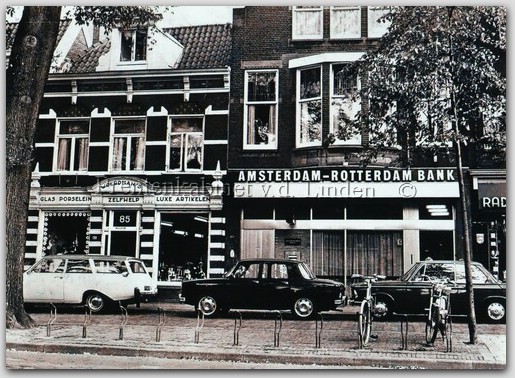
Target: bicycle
pixel 439 313
pixel 366 310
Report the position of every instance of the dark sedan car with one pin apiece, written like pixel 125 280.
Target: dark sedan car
pixel 410 293
pixel 266 284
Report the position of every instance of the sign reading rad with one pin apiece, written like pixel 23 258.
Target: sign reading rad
pixel 492 195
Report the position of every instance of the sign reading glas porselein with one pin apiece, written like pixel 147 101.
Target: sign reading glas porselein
pixel 346 183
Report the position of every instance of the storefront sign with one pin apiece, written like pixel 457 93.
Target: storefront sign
pixel 63 199
pixel 122 200
pixel 122 185
pixel 182 200
pixel 492 195
pixel 348 175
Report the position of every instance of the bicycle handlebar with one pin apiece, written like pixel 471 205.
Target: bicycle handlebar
pixel 375 277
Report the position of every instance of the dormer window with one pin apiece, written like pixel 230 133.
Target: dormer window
pixel 133 45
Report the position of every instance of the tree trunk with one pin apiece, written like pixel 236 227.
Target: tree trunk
pixel 27 73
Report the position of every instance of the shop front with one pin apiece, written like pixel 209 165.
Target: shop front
pixel 489 219
pixel 346 221
pixel 176 232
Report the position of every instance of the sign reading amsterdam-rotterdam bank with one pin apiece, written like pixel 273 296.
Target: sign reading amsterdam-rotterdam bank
pixel 346 183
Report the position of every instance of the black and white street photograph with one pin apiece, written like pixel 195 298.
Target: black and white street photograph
pixel 256 187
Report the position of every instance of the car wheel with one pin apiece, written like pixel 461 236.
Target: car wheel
pixel 495 311
pixel 303 308
pixel 207 305
pixel 95 302
pixel 382 309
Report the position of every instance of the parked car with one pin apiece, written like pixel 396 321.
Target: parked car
pixel 96 281
pixel 267 284
pixel 410 293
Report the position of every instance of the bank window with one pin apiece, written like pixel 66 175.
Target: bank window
pixel 133 45
pixel 345 22
pixel 261 92
pixel 128 145
pixel 376 28
pixel 345 105
pixel 73 145
pixel 186 144
pixel 309 107
pixel 307 22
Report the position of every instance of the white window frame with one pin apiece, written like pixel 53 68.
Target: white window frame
pixel 134 32
pixel 300 101
pixel 356 34
pixel 376 29
pixel 357 139
pixel 184 144
pixel 73 144
pixel 299 10
pixel 129 137
pixel 248 103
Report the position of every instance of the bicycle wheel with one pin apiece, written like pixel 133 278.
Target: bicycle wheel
pixel 448 331
pixel 365 322
pixel 437 324
pixel 432 326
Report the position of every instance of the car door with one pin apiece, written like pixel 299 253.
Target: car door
pixel 417 291
pixel 275 286
pixel 44 283
pixel 78 279
pixel 242 290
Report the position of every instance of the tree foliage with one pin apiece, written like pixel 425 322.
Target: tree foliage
pixel 432 61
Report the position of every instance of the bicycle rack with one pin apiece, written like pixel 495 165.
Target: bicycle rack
pixel 124 321
pixel 360 337
pixel 53 317
pixel 160 324
pixel 404 331
pixel 277 331
pixel 237 327
pixel 318 331
pixel 87 321
pixel 200 324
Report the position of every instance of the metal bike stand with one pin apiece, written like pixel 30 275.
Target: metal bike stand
pixel 277 330
pixel 200 324
pixel 237 327
pixel 53 317
pixel 87 321
pixel 404 331
pixel 360 337
pixel 318 331
pixel 124 321
pixel 160 323
pixel 448 334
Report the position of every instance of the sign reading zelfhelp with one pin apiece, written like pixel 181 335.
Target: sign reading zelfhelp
pixel 346 183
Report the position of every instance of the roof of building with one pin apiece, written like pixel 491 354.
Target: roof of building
pixel 205 46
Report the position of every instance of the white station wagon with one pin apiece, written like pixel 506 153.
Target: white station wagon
pixel 95 281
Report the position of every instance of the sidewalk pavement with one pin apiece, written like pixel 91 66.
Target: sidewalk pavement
pixel 262 338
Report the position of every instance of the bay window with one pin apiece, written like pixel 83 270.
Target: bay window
pixel 345 105
pixel 260 120
pixel 307 22
pixel 186 144
pixel 128 145
pixel 345 22
pixel 309 107
pixel 73 145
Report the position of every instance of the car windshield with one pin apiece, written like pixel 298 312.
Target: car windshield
pixel 306 272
